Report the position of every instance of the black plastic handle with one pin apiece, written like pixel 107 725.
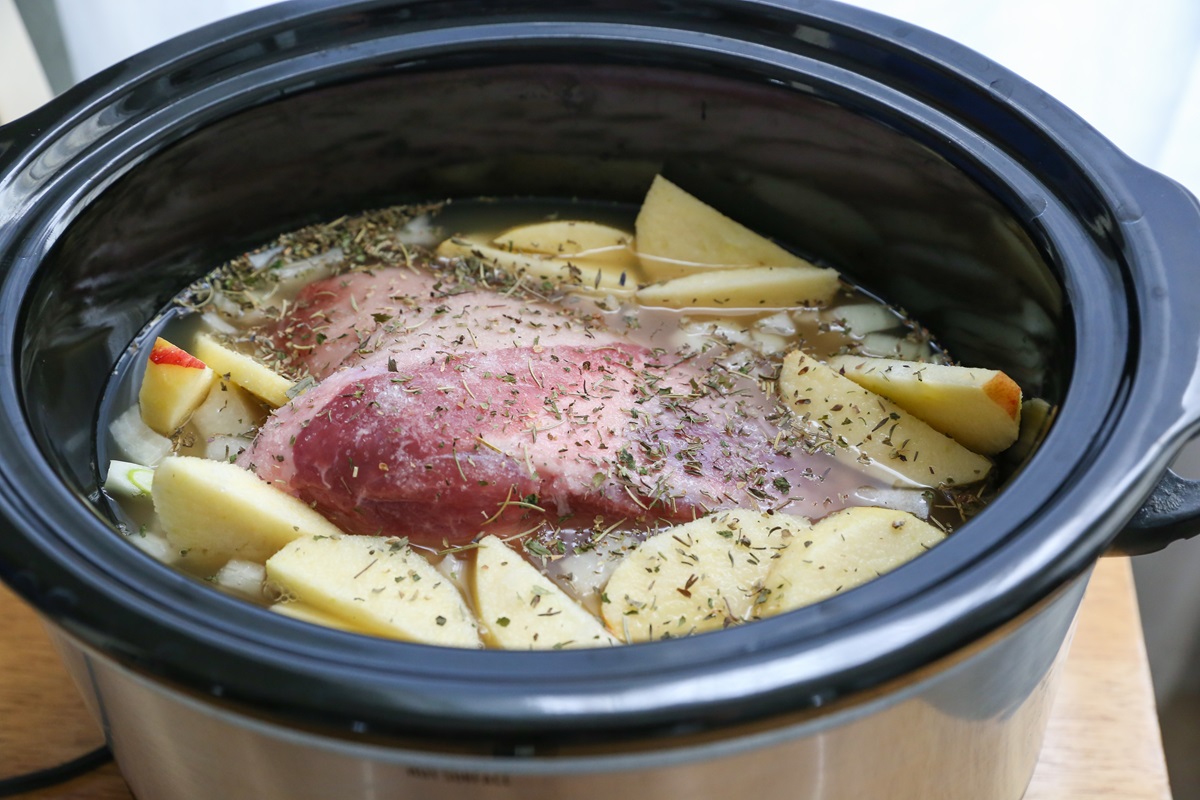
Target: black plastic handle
pixel 1169 299
pixel 1171 513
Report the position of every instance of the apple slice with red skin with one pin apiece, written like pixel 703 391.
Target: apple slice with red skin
pixel 839 415
pixel 978 408
pixel 175 384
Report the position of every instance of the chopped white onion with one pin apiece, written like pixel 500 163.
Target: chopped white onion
pixel 262 259
pixel 915 501
pixel 780 324
pixel 126 479
pixel 454 569
pixel 860 319
pixel 310 269
pixel 885 345
pixel 421 231
pixel 584 574
pixel 218 324
pixel 154 544
pixel 136 441
pixel 242 577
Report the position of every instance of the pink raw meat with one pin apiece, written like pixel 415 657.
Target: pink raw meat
pixel 439 403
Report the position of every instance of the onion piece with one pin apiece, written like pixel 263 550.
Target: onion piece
pixel 126 479
pixel 136 441
pixel 917 502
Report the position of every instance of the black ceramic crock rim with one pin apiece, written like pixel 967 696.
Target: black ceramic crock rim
pixel 1016 557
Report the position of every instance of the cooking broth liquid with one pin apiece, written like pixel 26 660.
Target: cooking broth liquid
pixel 744 348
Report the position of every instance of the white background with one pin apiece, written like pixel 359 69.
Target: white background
pixel 1130 69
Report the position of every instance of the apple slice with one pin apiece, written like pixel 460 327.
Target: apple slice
pixel 749 288
pixel 258 379
pixel 522 609
pixel 677 234
pixel 213 511
pixel 574 240
pixel 175 383
pixel 978 408
pixel 579 275
pixel 839 414
pixel 700 576
pixel 842 551
pixel 1036 416
pixel 376 585
pixel 306 613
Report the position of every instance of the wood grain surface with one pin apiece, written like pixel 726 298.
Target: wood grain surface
pixel 1103 740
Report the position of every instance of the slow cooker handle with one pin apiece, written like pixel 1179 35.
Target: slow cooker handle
pixel 1171 220
pixel 1171 513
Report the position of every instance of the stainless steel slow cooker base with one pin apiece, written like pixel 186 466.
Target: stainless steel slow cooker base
pixel 969 730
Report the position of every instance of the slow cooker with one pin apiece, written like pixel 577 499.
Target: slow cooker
pixel 931 176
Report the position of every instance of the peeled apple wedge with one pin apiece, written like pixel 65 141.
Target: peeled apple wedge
pixel 841 551
pixel 700 576
pixel 577 274
pixel 375 585
pixel 306 613
pixel 978 408
pixel 838 413
pixel 258 379
pixel 1036 416
pixel 576 240
pixel 214 511
pixel 677 234
pixel 175 383
pixel 522 609
pixel 752 287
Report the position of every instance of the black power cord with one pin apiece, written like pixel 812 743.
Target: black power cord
pixel 52 776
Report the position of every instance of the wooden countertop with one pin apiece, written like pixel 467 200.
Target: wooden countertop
pixel 1103 740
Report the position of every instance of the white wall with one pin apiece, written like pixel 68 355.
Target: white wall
pixel 99 33
pixel 1131 71
pixel 23 85
pixel 1123 70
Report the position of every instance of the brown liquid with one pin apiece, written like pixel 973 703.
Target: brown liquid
pixel 743 350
